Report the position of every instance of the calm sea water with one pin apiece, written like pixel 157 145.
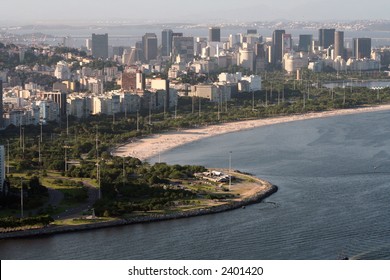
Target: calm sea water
pixel 334 199
pixel 129 35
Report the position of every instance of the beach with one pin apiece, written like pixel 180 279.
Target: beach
pixel 151 146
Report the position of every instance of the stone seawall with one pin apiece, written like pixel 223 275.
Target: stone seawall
pixel 152 218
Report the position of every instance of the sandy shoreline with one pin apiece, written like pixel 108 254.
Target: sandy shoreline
pixel 152 146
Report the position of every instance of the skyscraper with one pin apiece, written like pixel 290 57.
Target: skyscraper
pixel 251 31
pixel 184 47
pixel 338 44
pixel 100 45
pixel 149 42
pixel 326 37
pixel 277 46
pixel 214 34
pixel 1 105
pixel 305 43
pixel 287 43
pixel 166 42
pixel 362 47
pixel 59 98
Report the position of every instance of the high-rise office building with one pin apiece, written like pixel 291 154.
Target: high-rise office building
pixel 362 47
pixel 277 46
pixel 166 42
pixel 184 47
pixel 305 43
pixel 149 42
pixel 251 31
pixel 214 34
pixel 326 37
pixel 1 105
pixel 100 45
pixel 338 44
pixel 2 169
pixel 287 43
pixel 59 98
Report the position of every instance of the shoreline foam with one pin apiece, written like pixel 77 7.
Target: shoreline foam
pixel 151 146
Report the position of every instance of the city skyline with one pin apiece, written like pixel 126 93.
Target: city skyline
pixel 44 11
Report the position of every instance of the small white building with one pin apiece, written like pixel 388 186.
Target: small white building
pixel 62 71
pixel 254 82
pixel 293 62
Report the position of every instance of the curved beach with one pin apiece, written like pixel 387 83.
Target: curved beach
pixel 148 147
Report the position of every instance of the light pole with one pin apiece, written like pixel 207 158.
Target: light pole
pixel 23 140
pixel 7 156
pixel 344 96
pixel 125 107
pixel 20 135
pixel 21 197
pixel 230 169
pixel 200 106
pixel 253 100
pixel 67 123
pixel 124 171
pixel 219 101
pixel 41 131
pixel 150 109
pixel 137 120
pixel 66 157
pixel 39 150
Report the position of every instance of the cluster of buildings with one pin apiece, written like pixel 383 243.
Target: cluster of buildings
pixel 247 50
pixel 80 87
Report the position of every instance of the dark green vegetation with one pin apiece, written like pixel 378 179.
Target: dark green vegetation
pixel 142 187
pixel 12 222
pixel 35 194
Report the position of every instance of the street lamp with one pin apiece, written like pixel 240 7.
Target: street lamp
pixel 137 120
pixel 39 150
pixel 7 156
pixel 21 197
pixel 67 123
pixel 66 157
pixel 23 145
pixel 41 130
pixel 230 169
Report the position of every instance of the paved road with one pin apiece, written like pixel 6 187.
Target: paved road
pixel 93 195
pixel 56 197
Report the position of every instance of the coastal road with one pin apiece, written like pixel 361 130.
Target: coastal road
pixel 93 196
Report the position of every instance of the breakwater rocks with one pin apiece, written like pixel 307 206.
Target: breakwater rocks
pixel 144 219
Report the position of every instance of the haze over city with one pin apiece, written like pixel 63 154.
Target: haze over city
pixel 73 12
pixel 121 115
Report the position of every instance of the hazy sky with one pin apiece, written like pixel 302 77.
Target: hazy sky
pixel 36 11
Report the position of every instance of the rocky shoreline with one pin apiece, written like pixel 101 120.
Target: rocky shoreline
pixel 136 220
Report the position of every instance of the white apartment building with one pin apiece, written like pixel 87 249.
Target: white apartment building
pixel 130 103
pixel 48 110
pixel 79 106
pixel 254 82
pixel 62 71
pixel 246 58
pixel 293 62
pixel 210 92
